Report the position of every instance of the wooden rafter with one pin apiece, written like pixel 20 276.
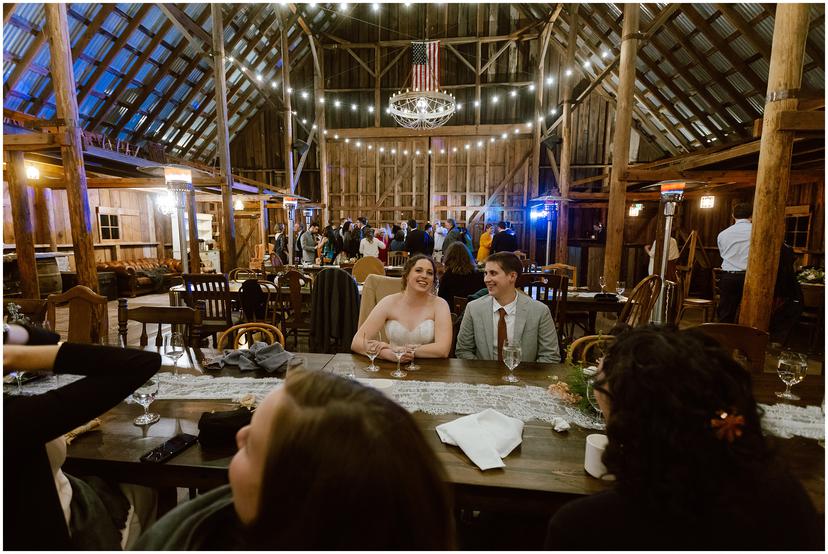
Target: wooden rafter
pixel 23 65
pixel 8 10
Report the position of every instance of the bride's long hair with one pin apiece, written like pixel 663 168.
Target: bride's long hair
pixel 409 265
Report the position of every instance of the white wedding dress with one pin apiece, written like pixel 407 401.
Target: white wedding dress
pixel 397 333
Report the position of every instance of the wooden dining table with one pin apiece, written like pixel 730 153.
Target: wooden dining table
pixel 545 471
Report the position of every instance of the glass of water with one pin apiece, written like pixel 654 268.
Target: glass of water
pixel 791 368
pixel 144 396
pixel 174 349
pixel 372 349
pixel 411 348
pixel 399 350
pixel 511 357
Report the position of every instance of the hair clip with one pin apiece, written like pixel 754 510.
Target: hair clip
pixel 728 426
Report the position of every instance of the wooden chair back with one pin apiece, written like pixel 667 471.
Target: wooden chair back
pixel 458 305
pixel 549 289
pixel 376 288
pixel 640 303
pixel 740 340
pixel 397 257
pixel 88 315
pixel 214 289
pixel 290 305
pixel 563 269
pixel 366 266
pixel 252 332
pixel 589 348
pixel 189 318
pixel 249 306
pixel 32 308
pixel 673 300
pixel 245 273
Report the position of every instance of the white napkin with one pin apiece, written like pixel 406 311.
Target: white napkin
pixel 485 437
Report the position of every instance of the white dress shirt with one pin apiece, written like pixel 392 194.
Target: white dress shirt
pixel 510 308
pixel 371 248
pixel 673 254
pixel 734 243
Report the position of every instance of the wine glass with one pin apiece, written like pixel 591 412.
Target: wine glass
pixel 619 287
pixel 590 396
pixel 174 349
pixel 372 349
pixel 411 348
pixel 145 395
pixel 511 357
pixel 791 368
pixel 18 378
pixel 399 350
pixel 603 282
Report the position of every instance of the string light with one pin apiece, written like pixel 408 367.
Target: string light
pixel 494 99
pixel 382 149
pixel 531 88
pixel 513 93
pixel 375 7
pixel 370 109
pixel 503 136
pixel 370 147
pixel 479 143
pixel 553 111
pixel 587 64
pixel 454 149
pixel 353 107
pixel 476 103
pixel 442 150
pixel 258 77
pixel 336 137
pixel 466 147
pixel 549 80
pixel 273 84
pixel 304 94
pixel 343 6
pixel 337 103
pixel 347 140
pixel 605 54
pixel 393 150
pixel 491 139
pixel 568 72
pixel 459 107
pixel 322 100
pixel 304 121
pixel 290 90
pixel 405 152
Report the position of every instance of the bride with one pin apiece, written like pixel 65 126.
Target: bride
pixel 414 316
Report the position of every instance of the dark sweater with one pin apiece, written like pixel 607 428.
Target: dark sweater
pixel 775 515
pixel 504 241
pixel 418 242
pixel 33 518
pixel 452 285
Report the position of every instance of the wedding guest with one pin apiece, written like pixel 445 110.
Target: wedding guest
pixel 383 236
pixel 310 242
pixel 370 245
pixel 44 509
pixel 417 241
pixel 440 233
pixel 691 465
pixel 461 277
pixel 325 464
pixel 506 315
pixel 672 255
pixel 734 248
pixel 505 239
pixel 485 243
pixel 414 316
pixel 398 244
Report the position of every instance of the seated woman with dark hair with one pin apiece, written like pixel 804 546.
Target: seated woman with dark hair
pixel 398 244
pixel 325 464
pixel 692 469
pixel 461 277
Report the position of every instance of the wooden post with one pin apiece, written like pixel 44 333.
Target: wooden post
pixel 23 225
pixel 377 82
pixel 784 79
pixel 192 223
pixel 288 115
pixel 562 235
pixel 543 43
pixel 621 146
pixel 158 221
pixel 71 147
pixel 228 227
pixel 44 218
pixel 321 143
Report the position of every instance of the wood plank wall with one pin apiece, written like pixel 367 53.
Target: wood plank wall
pixel 136 210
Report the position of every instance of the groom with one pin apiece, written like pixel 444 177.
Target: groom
pixel 505 315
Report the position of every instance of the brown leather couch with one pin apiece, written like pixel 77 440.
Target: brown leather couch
pixel 132 274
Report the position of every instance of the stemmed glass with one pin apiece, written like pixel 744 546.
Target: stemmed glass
pixel 791 368
pixel 590 396
pixel 145 395
pixel 511 357
pixel 174 349
pixel 372 349
pixel 399 350
pixel 619 287
pixel 411 348
pixel 603 282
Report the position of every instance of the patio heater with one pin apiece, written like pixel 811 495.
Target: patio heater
pixel 550 208
pixel 290 203
pixel 179 181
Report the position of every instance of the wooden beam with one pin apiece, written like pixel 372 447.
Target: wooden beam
pixel 521 35
pixel 801 121
pixel 502 185
pixel 725 176
pixel 747 31
pixel 44 217
pixel 287 114
pixel 31 142
pixel 321 145
pixel 447 131
pixel 787 56
pixel 460 57
pixel 562 223
pixel 186 26
pixel 401 172
pixel 22 222
pixel 8 10
pixel 621 146
pixel 192 219
pixel 72 154
pixel 494 58
pixel 26 61
pixel 228 224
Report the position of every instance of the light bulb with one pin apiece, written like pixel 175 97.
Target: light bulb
pixel 459 107
pixel 353 107
pixel 476 103
pixel 540 119
pixel 495 99
pixel 343 6
pixel 313 126
pixel 304 94
pixel 513 93
pixel 325 132
pixel 258 77
pixel 336 137
pixel 605 54
pixel 466 147
pixel 230 58
pixel 517 131
pixel 491 139
pixel 553 111
pixel 321 100
pixel 238 205
pixel 393 150
pixel 337 103
pixel 304 121
pixel 549 80
pixel 442 150
pixel 479 143
pixel 454 149
pixel 531 88
pixel 347 140
pixel 32 173
pixel 405 152
pixel 375 7
pixel 273 84
pixel 417 152
pixel 568 72
pixel 382 149
pixel 529 124
pixel 387 110
pixel 503 136
pixel 370 147
pixel 587 64
pixel 290 90
pixel 429 152
pixel 370 109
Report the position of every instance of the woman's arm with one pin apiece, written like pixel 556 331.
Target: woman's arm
pixel 441 346
pixel 381 245
pixel 372 327
pixel 112 375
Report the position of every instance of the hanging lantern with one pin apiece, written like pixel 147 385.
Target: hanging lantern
pixel 707 202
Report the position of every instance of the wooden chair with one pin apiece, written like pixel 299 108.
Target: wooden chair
pixel 741 340
pixel 397 258
pixel 692 303
pixel 214 290
pixel 366 266
pixel 292 312
pixel 552 290
pixel 189 318
pixel 34 309
pixel 244 273
pixel 673 299
pixel 266 333
pixel 88 315
pixel 267 297
pixel 257 259
pixel 459 305
pixel 813 313
pixel 562 269
pixel 639 306
pixel 376 288
pixel 580 349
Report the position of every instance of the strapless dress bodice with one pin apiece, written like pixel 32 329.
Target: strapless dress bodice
pixel 397 333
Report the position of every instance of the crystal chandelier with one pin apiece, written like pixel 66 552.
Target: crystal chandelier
pixel 421 109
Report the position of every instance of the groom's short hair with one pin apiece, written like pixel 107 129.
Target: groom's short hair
pixel 507 261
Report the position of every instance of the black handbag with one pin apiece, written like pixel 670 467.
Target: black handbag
pixel 218 429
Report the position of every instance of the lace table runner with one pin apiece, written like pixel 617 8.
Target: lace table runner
pixel 522 402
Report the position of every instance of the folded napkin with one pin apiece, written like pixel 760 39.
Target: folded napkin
pixel 70 436
pixel 258 356
pixel 485 437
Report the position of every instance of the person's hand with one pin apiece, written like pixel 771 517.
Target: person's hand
pixel 387 353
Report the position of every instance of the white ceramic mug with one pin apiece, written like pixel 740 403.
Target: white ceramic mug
pixel 595 445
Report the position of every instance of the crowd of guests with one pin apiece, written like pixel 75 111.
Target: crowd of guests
pixel 348 240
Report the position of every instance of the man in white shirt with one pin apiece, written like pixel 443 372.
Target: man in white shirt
pixel 734 244
pixel 439 236
pixel 672 255
pixel 506 314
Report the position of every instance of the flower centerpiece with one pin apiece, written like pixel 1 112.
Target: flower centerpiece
pixel 811 275
pixel 572 389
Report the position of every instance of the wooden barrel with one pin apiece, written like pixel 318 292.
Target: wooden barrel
pixel 48 276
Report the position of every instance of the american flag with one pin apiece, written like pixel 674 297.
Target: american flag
pixel 425 65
